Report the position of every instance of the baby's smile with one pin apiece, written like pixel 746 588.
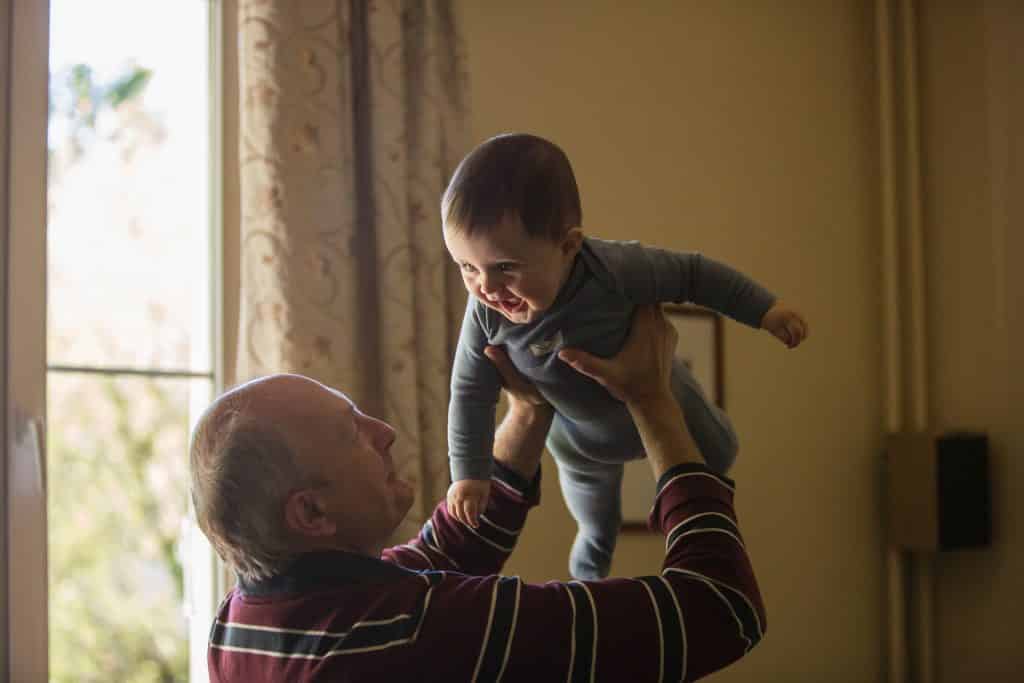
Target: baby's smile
pixel 508 304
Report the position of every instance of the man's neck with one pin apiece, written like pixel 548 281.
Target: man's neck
pixel 321 544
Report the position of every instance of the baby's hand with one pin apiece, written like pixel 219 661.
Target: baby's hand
pixel 467 500
pixel 786 324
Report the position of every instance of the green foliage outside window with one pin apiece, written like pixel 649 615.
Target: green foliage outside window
pixel 116 501
pixel 117 475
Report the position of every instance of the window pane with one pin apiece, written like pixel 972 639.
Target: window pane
pixel 128 178
pixel 117 470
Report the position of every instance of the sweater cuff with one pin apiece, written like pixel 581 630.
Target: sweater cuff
pixel 683 484
pixel 688 468
pixel 529 491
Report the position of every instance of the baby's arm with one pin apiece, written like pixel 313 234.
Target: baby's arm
pixel 651 275
pixel 474 396
pixel 518 443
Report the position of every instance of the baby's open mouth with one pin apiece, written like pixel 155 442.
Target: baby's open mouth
pixel 511 305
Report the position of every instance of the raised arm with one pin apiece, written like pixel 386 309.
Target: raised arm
pixel 445 543
pixel 647 275
pixel 704 610
pixel 475 387
pixel 700 613
pixel 639 376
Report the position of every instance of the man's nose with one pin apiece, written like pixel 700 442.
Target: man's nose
pixel 383 434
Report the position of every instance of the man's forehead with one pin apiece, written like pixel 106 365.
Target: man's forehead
pixel 294 394
pixel 305 410
pixel 342 395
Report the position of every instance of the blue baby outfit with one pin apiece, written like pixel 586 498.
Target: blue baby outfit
pixel 592 434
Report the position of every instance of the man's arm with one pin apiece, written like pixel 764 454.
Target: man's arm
pixel 704 610
pixel 446 543
pixel 519 442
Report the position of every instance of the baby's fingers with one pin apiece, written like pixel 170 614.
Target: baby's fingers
pixel 794 332
pixel 782 334
pixel 471 512
pixel 455 510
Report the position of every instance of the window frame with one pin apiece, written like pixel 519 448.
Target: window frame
pixel 23 79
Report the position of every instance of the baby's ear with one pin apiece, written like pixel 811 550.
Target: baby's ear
pixel 572 241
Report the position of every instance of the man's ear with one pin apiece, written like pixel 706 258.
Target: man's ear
pixel 305 514
pixel 572 242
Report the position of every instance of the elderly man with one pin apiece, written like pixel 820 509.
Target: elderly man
pixel 295 488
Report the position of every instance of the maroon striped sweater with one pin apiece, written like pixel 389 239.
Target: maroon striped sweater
pixel 436 609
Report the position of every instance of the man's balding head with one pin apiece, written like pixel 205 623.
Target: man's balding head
pixel 243 468
pixel 284 464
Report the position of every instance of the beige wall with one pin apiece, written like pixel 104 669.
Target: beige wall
pixel 972 70
pixel 746 131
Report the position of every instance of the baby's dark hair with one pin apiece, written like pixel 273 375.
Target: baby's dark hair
pixel 514 174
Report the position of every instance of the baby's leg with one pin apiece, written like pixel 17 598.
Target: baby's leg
pixel 593 493
pixel 709 425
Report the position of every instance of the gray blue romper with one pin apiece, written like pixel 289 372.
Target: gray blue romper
pixel 592 434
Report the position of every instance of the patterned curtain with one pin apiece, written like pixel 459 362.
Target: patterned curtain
pixel 352 119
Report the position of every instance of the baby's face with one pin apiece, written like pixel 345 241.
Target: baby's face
pixel 508 270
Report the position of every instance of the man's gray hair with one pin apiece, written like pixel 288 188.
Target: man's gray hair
pixel 243 470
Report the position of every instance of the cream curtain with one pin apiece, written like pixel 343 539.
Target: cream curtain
pixel 352 118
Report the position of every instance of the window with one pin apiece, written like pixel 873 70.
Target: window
pixel 131 358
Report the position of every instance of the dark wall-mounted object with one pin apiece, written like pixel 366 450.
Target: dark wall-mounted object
pixel 938 491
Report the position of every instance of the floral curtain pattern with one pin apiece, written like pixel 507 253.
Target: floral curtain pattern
pixel 352 119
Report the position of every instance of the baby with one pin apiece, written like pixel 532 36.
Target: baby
pixel 537 285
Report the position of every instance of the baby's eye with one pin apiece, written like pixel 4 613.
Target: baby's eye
pixel 467 268
pixel 506 267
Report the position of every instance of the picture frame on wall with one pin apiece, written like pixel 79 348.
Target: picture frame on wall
pixel 701 348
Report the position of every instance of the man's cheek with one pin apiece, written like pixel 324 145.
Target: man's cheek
pixel 404 496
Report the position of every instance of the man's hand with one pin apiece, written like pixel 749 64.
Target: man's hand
pixel 786 324
pixel 641 368
pixel 467 499
pixel 639 375
pixel 515 385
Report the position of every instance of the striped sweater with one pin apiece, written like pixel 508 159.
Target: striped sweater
pixel 436 608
